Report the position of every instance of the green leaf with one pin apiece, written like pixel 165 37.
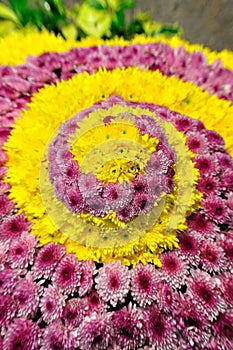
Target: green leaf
pixel 126 4
pixel 59 5
pixel 93 22
pixel 70 31
pixel 119 20
pixel 7 13
pixel 96 4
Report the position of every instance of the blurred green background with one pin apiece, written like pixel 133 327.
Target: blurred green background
pixel 208 22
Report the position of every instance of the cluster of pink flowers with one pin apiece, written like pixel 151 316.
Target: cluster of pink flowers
pixel 84 193
pixel 50 300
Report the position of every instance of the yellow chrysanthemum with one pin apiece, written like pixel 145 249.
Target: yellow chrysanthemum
pixel 16 47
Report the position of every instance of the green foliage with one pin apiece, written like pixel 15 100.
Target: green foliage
pixel 100 18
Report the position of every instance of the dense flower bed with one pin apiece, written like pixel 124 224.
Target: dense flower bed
pixel 66 282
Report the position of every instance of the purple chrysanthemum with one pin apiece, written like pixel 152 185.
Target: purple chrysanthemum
pixel 227 180
pixel 226 242
pixel 6 206
pixel 208 185
pixel 8 310
pixel 95 332
pixel 206 164
pixel 203 294
pixel 197 143
pixel 212 257
pixel 47 259
pixel 112 282
pixel 94 303
pixel 166 297
pixel 74 200
pixel 8 280
pixel 57 336
pixel 52 304
pixel 224 160
pixel 117 195
pixel 13 227
pixel 216 142
pixel 129 329
pixel 22 249
pixel 143 284
pixel 74 312
pixel 223 330
pixel 226 287
pixel 200 223
pixel 160 329
pixel 189 247
pixel 22 334
pixel 26 296
pixel 88 184
pixel 174 270
pixel 67 274
pixel 216 209
pixel 86 280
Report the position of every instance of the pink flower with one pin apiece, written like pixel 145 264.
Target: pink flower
pixel 215 208
pixel 174 270
pixel 226 281
pixel 74 312
pixel 117 195
pixel 46 260
pixel 67 274
pixel 197 142
pixel 8 280
pixel 216 142
pixel 160 329
pixel 6 206
pixel 13 227
pixel 95 332
pixel 112 282
pixel 22 250
pixel 166 297
pixel 128 326
pixel 227 180
pixel 94 303
pixel 88 185
pixel 208 185
pixel 74 200
pixel 223 330
pixel 26 296
pixel 8 310
pixel 22 334
pixel 200 223
pixel 206 164
pixel 224 160
pixel 57 336
pixel 189 247
pixel 212 257
pixel 143 284
pixel 203 294
pixel 86 280
pixel 52 304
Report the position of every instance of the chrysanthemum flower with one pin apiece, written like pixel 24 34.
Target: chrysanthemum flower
pixel 160 329
pixel 95 332
pixel 226 287
pixel 22 250
pixel 189 244
pixel 94 303
pixel 129 328
pixel 201 224
pixel 209 185
pixel 143 284
pixel 223 330
pixel 6 206
pixel 206 164
pixel 52 304
pixel 26 297
pixel 67 274
pixel 46 260
pixel 202 292
pixel 57 336
pixel 216 209
pixel 226 242
pixel 13 227
pixel 22 334
pixel 86 280
pixel 8 310
pixel 174 269
pixel 197 142
pixel 212 257
pixel 8 280
pixel 166 297
pixel 112 282
pixel 74 312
